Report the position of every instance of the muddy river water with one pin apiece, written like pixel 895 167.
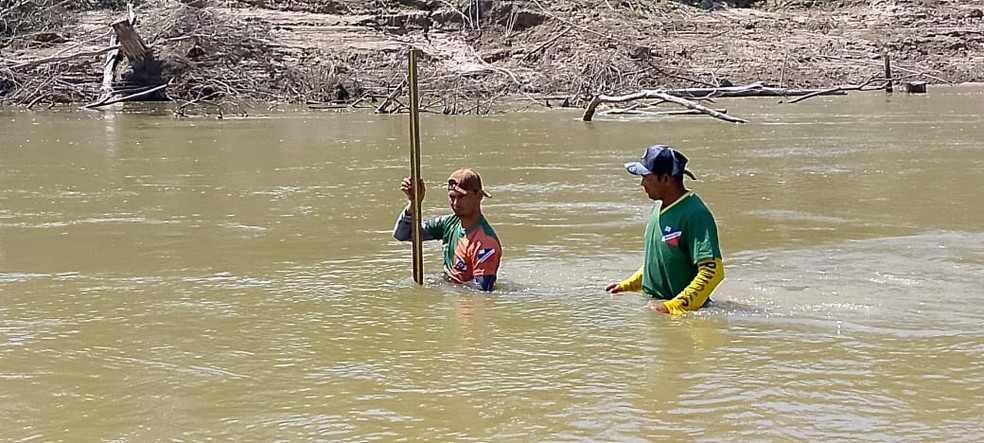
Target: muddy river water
pixel 190 280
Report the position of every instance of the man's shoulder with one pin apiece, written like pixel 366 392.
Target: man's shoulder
pixel 694 203
pixel 688 211
pixel 487 230
pixel 446 220
pixel 439 227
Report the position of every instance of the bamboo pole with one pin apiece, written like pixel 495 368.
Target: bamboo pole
pixel 418 249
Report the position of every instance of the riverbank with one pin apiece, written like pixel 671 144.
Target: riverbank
pixel 346 52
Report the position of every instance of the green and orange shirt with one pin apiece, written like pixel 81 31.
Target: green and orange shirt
pixel 468 254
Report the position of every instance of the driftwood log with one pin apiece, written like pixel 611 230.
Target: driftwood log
pixel 816 93
pixel 636 111
pixel 109 68
pixel 752 90
pixel 27 64
pixel 112 59
pixel 589 111
pixel 131 44
pixel 680 96
pixel 384 107
pixel 145 71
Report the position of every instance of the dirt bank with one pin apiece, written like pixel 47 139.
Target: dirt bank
pixel 338 51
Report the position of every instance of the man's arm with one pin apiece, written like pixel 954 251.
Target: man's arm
pixel 633 283
pixel 486 260
pixel 402 231
pixel 486 282
pixel 710 272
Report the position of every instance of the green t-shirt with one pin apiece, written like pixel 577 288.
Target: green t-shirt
pixel 684 234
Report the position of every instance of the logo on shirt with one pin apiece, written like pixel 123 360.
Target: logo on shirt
pixel 671 236
pixel 484 254
pixel 459 264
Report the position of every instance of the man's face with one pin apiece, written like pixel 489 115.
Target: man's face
pixel 655 185
pixel 464 202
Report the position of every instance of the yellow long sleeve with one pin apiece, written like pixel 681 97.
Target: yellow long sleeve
pixel 710 272
pixel 633 283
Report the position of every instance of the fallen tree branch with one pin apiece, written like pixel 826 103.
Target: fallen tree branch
pixel 686 112
pixel 546 43
pixel 599 99
pixel 37 90
pixel 860 86
pixel 679 77
pixel 752 90
pixel 814 94
pixel 109 69
pixel 41 61
pixel 837 89
pixel 81 44
pixel 396 91
pixel 39 98
pixel 515 80
pixel 180 111
pixel 107 101
pixel 496 68
pixel 632 110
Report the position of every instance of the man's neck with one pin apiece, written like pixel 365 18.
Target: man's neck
pixel 471 220
pixel 674 195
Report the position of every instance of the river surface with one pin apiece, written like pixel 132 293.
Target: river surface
pixel 194 280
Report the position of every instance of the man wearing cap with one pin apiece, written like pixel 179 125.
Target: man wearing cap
pixel 471 248
pixel 682 256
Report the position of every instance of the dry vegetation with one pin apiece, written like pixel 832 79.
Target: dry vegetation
pixel 333 53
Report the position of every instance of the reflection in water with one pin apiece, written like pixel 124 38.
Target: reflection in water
pixel 189 280
pixel 112 137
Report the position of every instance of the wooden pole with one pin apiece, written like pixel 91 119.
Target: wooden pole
pixel 418 249
pixel 888 73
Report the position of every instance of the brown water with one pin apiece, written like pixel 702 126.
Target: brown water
pixel 236 279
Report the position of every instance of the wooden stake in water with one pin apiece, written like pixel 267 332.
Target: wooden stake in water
pixel 418 247
pixel 888 72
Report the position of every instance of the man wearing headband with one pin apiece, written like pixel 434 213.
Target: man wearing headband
pixel 471 248
pixel 682 256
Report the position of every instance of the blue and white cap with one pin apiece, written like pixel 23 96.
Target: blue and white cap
pixel 660 159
